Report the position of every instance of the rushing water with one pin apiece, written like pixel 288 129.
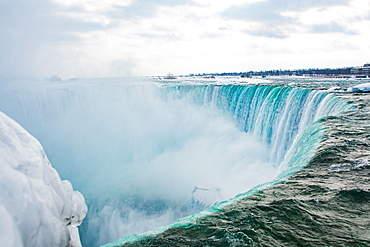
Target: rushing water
pixel 145 154
pixel 325 203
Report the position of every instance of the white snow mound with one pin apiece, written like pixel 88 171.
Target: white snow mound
pixel 37 208
pixel 362 88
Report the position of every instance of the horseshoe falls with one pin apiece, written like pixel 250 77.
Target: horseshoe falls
pixel 171 156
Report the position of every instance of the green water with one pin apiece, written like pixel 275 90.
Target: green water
pixel 323 203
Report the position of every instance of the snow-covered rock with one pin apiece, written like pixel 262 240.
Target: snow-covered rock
pixel 37 208
pixel 334 89
pixel 362 88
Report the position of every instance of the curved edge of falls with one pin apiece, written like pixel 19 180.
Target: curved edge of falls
pixel 289 115
pixel 311 136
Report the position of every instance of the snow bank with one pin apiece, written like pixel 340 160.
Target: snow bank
pixel 362 88
pixel 37 208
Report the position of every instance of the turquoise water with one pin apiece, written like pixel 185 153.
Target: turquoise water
pixel 286 119
pixel 324 203
pixel 146 154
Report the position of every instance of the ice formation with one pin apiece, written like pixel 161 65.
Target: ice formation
pixel 37 208
pixel 362 88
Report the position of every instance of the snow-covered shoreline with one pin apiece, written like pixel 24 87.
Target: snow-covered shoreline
pixel 37 208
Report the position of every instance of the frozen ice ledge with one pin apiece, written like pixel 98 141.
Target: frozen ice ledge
pixel 37 208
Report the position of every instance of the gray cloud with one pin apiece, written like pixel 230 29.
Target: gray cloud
pixel 35 35
pixel 270 10
pixel 260 12
pixel 158 35
pixel 269 33
pixel 39 17
pixel 210 35
pixel 30 28
pixel 331 28
pixel 299 5
pixel 367 17
pixel 269 14
pixel 143 8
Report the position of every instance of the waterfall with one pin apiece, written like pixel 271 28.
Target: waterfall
pixel 145 155
pixel 275 115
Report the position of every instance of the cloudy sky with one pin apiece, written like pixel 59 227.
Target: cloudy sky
pixel 98 38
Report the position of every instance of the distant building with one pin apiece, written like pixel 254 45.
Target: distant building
pixel 170 76
pixel 361 70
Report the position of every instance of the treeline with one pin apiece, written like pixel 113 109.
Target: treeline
pixel 297 72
